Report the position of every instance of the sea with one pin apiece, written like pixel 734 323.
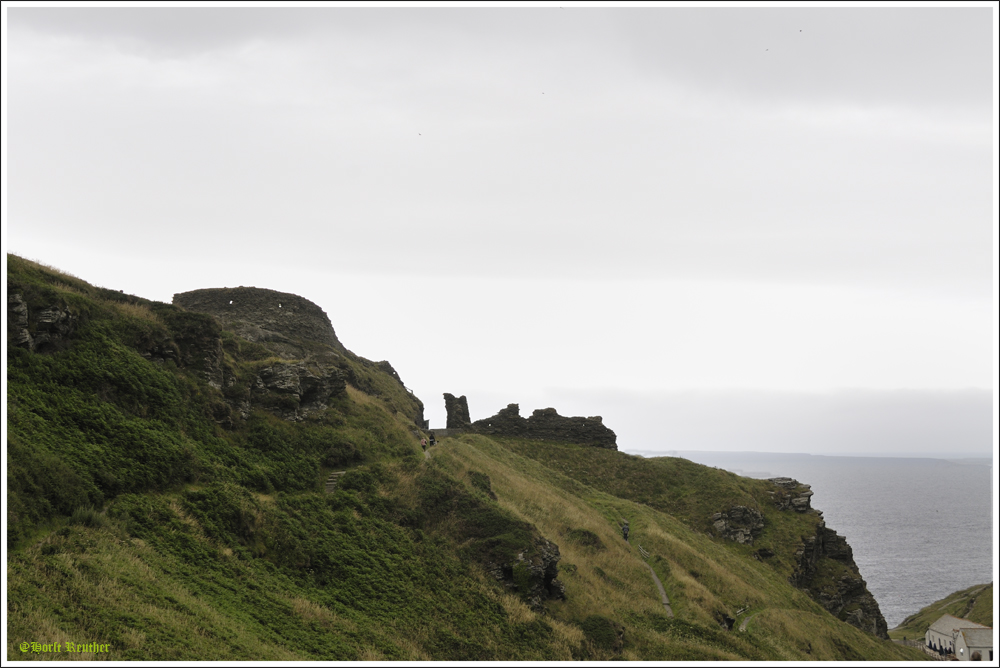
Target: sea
pixel 920 528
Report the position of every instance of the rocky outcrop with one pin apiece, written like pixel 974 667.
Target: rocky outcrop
pixel 292 391
pixel 296 330
pixel 739 523
pixel 200 348
pixel 163 350
pixel 52 325
pixel 285 321
pixel 547 424
pixel 825 568
pixel 458 411
pixel 533 574
pixel 17 322
pixel 387 368
pixel 791 494
pixel 193 340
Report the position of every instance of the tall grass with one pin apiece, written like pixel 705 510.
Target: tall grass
pixel 705 580
pixel 136 311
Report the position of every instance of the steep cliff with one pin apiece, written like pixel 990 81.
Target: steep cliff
pixel 826 569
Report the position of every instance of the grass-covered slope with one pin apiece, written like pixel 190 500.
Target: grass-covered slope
pixel 974 604
pixel 157 505
pixel 707 580
pixel 689 492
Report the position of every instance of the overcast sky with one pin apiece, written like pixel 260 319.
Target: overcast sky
pixel 776 223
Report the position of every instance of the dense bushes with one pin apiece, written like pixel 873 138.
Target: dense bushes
pixel 94 419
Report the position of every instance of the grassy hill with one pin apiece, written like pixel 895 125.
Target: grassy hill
pixel 974 604
pixel 165 498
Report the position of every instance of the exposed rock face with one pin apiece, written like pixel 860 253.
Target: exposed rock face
pixel 257 314
pixel 200 348
pixel 791 494
pixel 825 566
pixel 52 324
pixel 294 329
pixel 458 411
pixel 17 322
pixel 842 590
pixel 196 344
pixel 162 351
pixel 533 573
pixel 740 524
pixel 547 424
pixel 295 390
pixel 385 366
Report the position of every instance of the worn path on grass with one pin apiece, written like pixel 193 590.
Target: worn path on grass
pixel 663 592
pixel 746 620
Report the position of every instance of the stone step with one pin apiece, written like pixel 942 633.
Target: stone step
pixel 331 482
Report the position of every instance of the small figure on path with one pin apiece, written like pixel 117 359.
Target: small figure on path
pixel 433 442
pixel 423 444
pixel 625 530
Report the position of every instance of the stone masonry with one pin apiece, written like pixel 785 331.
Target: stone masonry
pixel 547 424
pixel 458 411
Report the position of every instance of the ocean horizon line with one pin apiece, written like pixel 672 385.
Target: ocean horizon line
pixel 964 457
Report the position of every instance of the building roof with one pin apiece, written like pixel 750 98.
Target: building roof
pixel 947 624
pixel 976 638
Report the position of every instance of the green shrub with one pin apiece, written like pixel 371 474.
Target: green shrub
pixel 87 516
pixel 481 481
pixel 585 538
pixel 603 633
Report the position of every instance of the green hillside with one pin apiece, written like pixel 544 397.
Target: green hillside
pixel 166 499
pixel 974 604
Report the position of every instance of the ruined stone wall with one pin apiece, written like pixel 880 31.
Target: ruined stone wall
pixel 259 314
pixel 458 411
pixel 547 424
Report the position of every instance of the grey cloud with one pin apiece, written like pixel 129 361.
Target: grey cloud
pixel 184 31
pixel 932 57
pixel 928 57
pixel 164 31
pixel 659 149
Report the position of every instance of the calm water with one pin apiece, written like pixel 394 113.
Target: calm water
pixel 920 528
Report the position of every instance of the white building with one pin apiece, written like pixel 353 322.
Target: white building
pixel 943 636
pixel 974 645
